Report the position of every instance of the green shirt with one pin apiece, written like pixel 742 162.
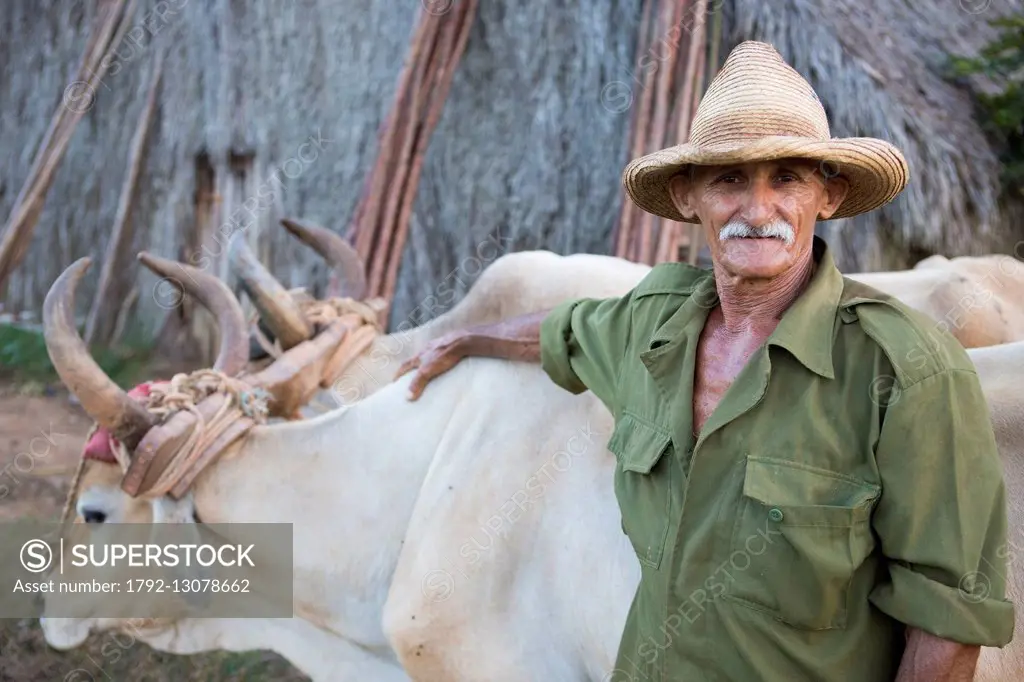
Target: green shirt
pixel 846 486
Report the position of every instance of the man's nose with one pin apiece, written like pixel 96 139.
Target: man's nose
pixel 759 204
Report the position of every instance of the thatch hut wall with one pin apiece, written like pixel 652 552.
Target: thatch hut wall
pixel 527 154
pixel 246 88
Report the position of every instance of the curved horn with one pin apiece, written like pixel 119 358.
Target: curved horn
pixel 278 310
pixel 338 253
pixel 218 299
pixel 102 399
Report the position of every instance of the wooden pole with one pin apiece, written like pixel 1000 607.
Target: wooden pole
pixel 662 118
pixel 372 201
pixel 658 232
pixel 622 236
pixel 436 27
pixel 106 302
pixel 643 143
pixel 696 230
pixel 113 19
pixel 381 223
pixel 454 47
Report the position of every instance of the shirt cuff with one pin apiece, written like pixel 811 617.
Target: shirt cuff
pixel 556 340
pixel 968 614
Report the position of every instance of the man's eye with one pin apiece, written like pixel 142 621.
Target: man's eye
pixel 729 179
pixel 787 177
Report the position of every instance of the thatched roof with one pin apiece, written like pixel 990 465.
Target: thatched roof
pixel 525 149
pixel 879 68
pixel 244 86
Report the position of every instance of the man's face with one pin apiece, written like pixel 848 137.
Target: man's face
pixel 759 218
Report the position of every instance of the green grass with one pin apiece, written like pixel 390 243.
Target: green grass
pixel 24 359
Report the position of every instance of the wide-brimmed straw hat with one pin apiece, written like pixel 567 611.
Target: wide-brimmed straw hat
pixel 758 108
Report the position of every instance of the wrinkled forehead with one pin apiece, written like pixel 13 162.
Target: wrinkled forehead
pixel 796 164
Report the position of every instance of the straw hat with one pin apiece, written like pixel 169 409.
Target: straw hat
pixel 758 108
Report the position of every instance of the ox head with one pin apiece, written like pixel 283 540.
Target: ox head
pixel 121 418
pixel 101 494
pixel 280 316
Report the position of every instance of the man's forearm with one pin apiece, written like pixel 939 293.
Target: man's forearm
pixel 516 338
pixel 934 659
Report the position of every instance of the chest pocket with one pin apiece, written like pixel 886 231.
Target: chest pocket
pixel 800 535
pixel 643 485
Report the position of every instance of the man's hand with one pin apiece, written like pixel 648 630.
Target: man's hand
pixel 517 338
pixel 934 659
pixel 438 357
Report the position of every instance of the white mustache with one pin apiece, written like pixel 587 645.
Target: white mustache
pixel 779 229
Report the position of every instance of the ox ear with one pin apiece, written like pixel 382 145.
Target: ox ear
pixel 182 512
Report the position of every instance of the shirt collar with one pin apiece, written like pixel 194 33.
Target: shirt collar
pixel 805 330
pixel 807 327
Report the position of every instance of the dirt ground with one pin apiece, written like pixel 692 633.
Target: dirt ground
pixel 41 436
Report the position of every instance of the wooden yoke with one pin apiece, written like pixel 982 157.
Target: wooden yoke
pixel 201 412
pixel 171 455
pixel 294 377
pixel 350 348
pixel 156 452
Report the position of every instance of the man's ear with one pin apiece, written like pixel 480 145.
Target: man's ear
pixel 836 189
pixel 679 192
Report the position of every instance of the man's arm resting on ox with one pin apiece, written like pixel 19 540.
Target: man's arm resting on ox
pixel 579 343
pixel 942 524
pixel 517 338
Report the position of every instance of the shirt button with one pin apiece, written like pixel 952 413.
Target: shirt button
pixel 775 514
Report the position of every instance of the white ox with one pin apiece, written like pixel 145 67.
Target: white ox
pixel 556 631
pixel 976 299
pixel 482 560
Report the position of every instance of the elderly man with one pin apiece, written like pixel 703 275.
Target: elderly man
pixel 806 502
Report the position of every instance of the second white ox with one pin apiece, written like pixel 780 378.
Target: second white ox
pixel 486 517
pixel 976 299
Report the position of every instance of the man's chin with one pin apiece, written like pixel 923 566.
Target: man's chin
pixel 758 258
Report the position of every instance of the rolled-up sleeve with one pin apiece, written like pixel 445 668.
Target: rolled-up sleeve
pixel 941 518
pixel 583 343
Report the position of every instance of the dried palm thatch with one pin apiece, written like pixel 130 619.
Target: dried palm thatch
pixel 246 90
pixel 527 154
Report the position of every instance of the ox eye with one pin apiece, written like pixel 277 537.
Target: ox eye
pixel 94 516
